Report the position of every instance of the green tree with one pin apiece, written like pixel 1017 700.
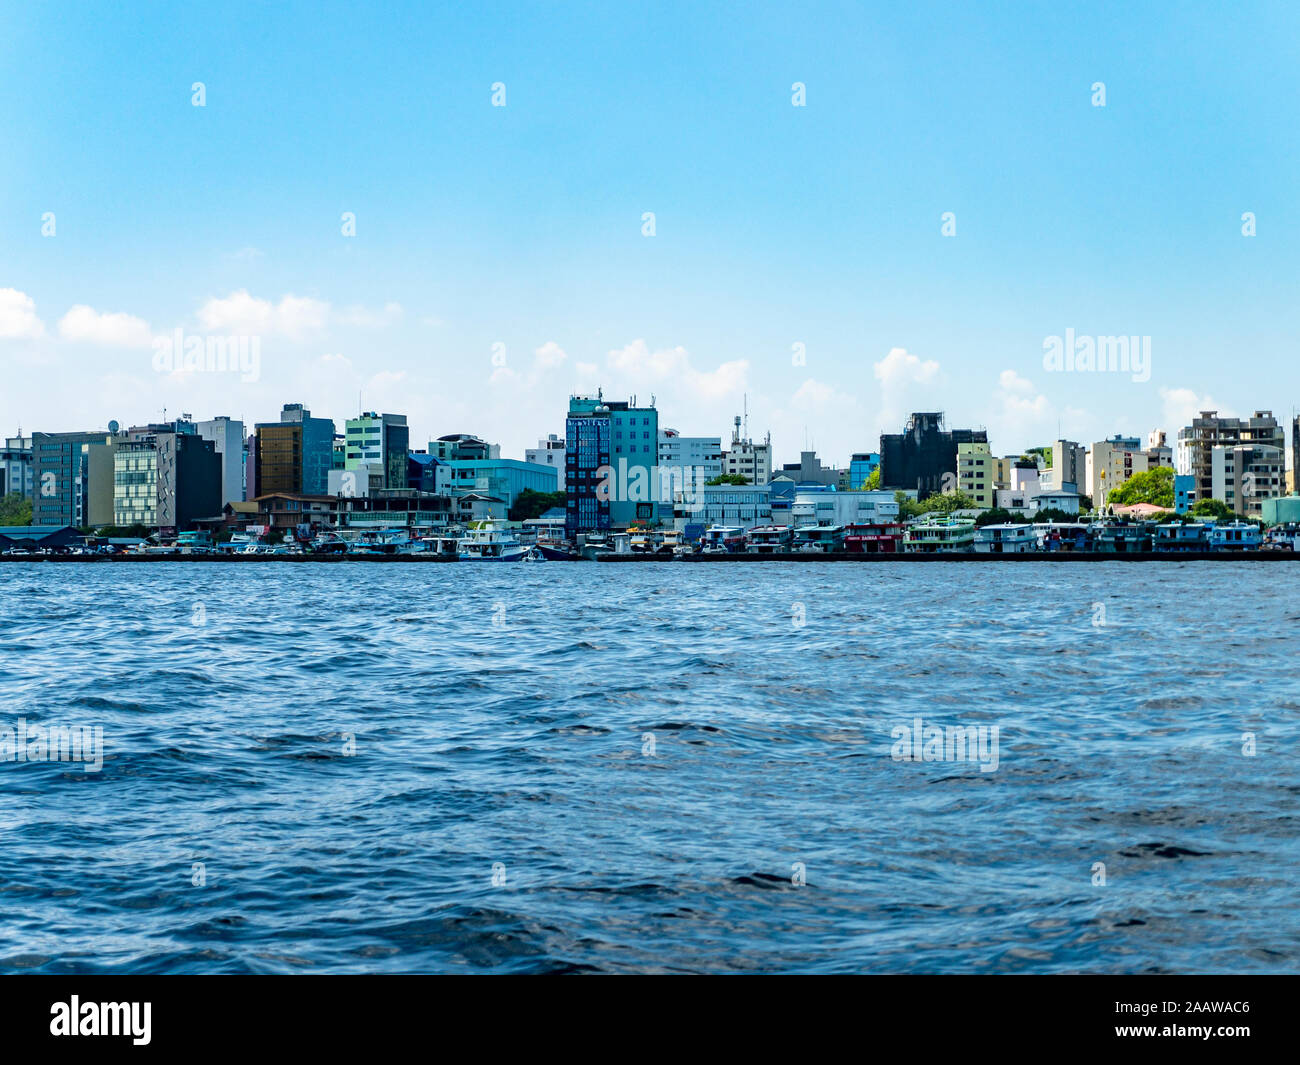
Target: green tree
pixel 530 504
pixel 996 516
pixel 939 503
pixel 1211 508
pixel 872 483
pixel 1151 486
pixel 728 478
pixel 15 509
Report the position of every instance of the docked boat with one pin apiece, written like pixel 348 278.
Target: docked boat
pixel 819 539
pixel 940 535
pixel 769 539
pixel 1009 538
pixel 873 538
pixel 610 544
pixel 486 543
pixel 1179 536
pixel 723 539
pixel 1235 536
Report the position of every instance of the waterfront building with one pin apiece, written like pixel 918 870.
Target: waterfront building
pixel 227 436
pixel 1025 484
pixel 295 513
pixel 809 470
pixel 1245 475
pixel 745 458
pixel 165 478
pixel 924 456
pixel 861 466
pixel 700 454
pixel 463 447
pixel 423 512
pixel 611 463
pixel 64 492
pixel 381 440
pixel 1184 492
pixel 1158 453
pixel 503 479
pixel 422 472
pixel 813 507
pixel 1196 443
pixel 16 467
pixel 38 537
pixel 975 473
pixel 740 506
pixel 295 454
pixel 1066 500
pixel 1111 462
pixel 1293 474
pixel 1067 463
pixel 1280 510
pixel 549 452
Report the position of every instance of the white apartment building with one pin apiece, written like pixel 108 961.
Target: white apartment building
pixel 549 452
pixel 227 436
pixel 703 454
pixel 1244 476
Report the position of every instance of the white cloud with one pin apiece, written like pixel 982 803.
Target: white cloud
pixel 672 367
pixel 1181 405
pixel 901 368
pixel 18 315
pixel 116 330
pixel 901 375
pixel 550 355
pixel 370 319
pixel 295 317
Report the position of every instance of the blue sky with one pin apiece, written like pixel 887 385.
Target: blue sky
pixel 775 225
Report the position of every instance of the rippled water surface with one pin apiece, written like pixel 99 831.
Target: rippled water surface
pixel 642 753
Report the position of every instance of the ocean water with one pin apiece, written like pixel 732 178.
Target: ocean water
pixel 652 768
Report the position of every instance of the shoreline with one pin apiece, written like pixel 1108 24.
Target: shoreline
pixel 839 556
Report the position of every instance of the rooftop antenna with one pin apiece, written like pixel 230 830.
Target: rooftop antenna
pixel 746 408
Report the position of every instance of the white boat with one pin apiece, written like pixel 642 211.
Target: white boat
pixel 1007 538
pixel 487 543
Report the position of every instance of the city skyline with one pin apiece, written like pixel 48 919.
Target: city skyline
pixel 801 193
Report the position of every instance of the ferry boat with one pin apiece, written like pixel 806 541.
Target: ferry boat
pixel 723 539
pixel 443 546
pixel 669 541
pixel 486 543
pixel 1235 536
pixel 819 539
pixel 557 551
pixel 873 538
pixel 940 535
pixel 1009 538
pixel 605 544
pixel 1122 539
pixel 769 539
pixel 640 541
pixel 1182 536
pixel 1063 535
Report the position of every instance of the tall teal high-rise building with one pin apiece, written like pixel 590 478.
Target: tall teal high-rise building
pixel 611 463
